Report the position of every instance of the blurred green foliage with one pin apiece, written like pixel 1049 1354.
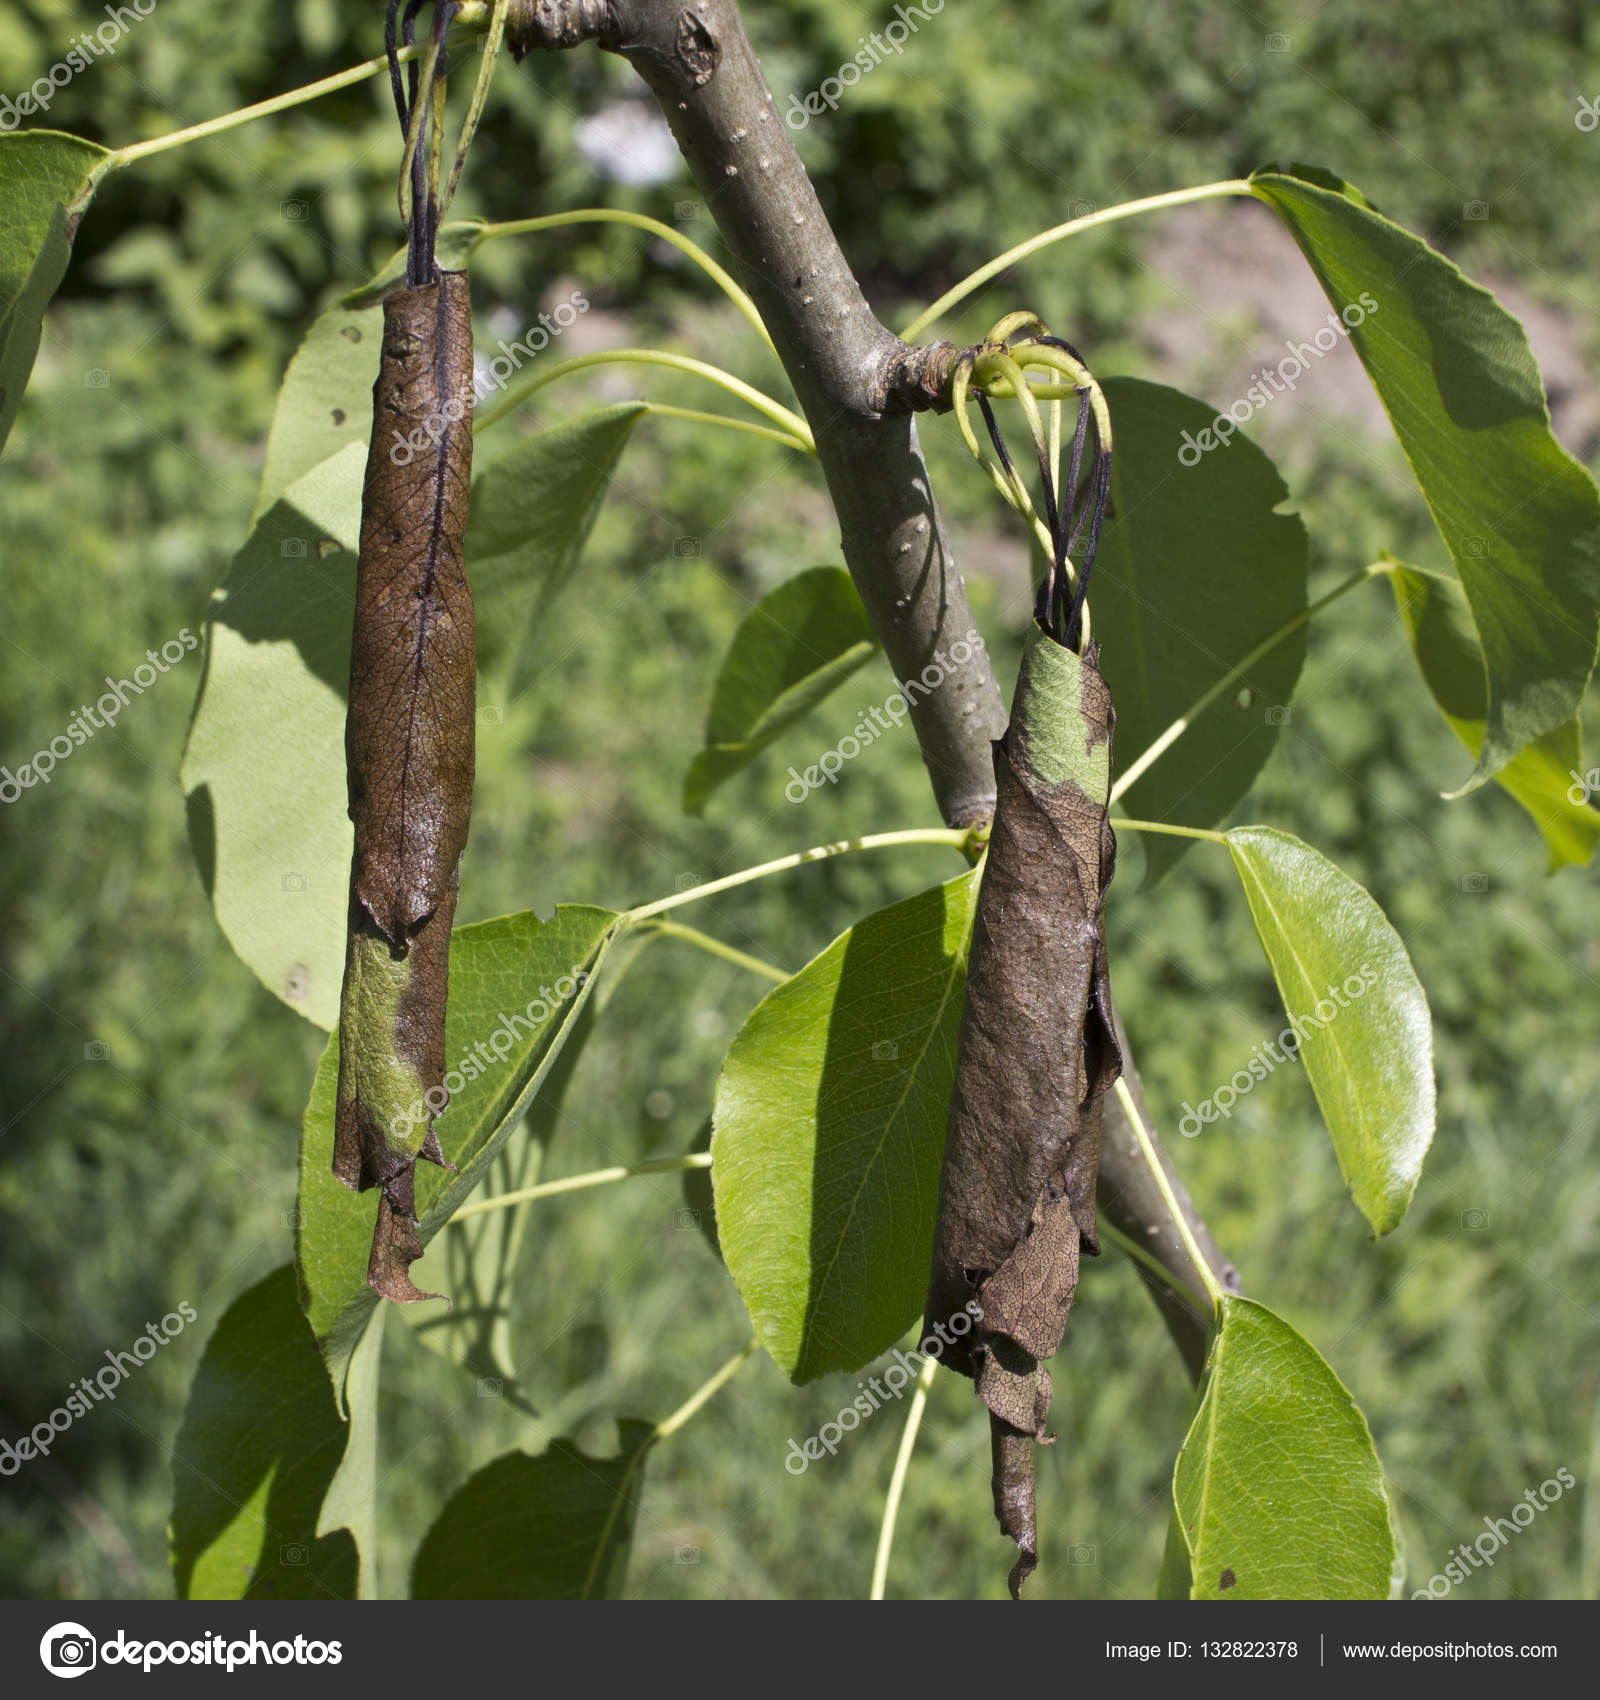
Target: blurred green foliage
pixel 152 1089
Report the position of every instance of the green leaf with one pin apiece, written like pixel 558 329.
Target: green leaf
pixel 1520 516
pixel 1540 777
pixel 532 511
pixel 263 770
pixel 797 645
pixel 325 401
pixel 1195 570
pixel 1278 1493
pixel 1357 1008
pixel 555 1527
pixel 482 1256
pixel 509 1018
pixel 47 179
pixel 352 1498
pixel 829 1134
pixel 260 1444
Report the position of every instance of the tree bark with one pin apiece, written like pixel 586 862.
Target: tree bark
pixel 859 386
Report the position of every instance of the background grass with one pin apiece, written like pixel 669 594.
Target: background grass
pixel 151 1090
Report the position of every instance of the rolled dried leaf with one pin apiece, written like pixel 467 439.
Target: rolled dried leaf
pixel 409 755
pixel 1037 1053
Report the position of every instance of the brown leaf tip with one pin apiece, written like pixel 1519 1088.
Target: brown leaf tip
pixel 396 1245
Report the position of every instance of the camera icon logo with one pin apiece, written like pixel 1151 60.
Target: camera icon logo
pixel 97 378
pixel 1474 1221
pixel 1475 210
pixel 685 1221
pixel 686 1555
pixel 886 1050
pixel 1081 1554
pixel 293 211
pixel 686 212
pixel 1278 716
pixel 686 548
pixel 1474 882
pixel 294 1554
pixel 96 1050
pixel 1476 547
pixel 1080 209
pixel 1277 43
pixel 293 882
pixel 491 714
pixel 68 1649
pixel 490 1387
pixel 292 548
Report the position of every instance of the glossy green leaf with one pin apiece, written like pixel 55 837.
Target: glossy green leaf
pixel 1278 1493
pixel 1453 369
pixel 479 1260
pixel 47 179
pixel 325 401
pixel 1358 1010
pixel 1541 777
pixel 518 986
pixel 264 767
pixel 829 1128
pixel 1195 571
pixel 260 1444
pixel 532 510
pixel 797 645
pixel 555 1527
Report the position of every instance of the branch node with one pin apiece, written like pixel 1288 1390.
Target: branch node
pixel 914 380
pixel 554 24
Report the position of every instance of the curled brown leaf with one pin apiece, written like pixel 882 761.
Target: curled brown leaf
pixel 1037 1054
pixel 409 753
